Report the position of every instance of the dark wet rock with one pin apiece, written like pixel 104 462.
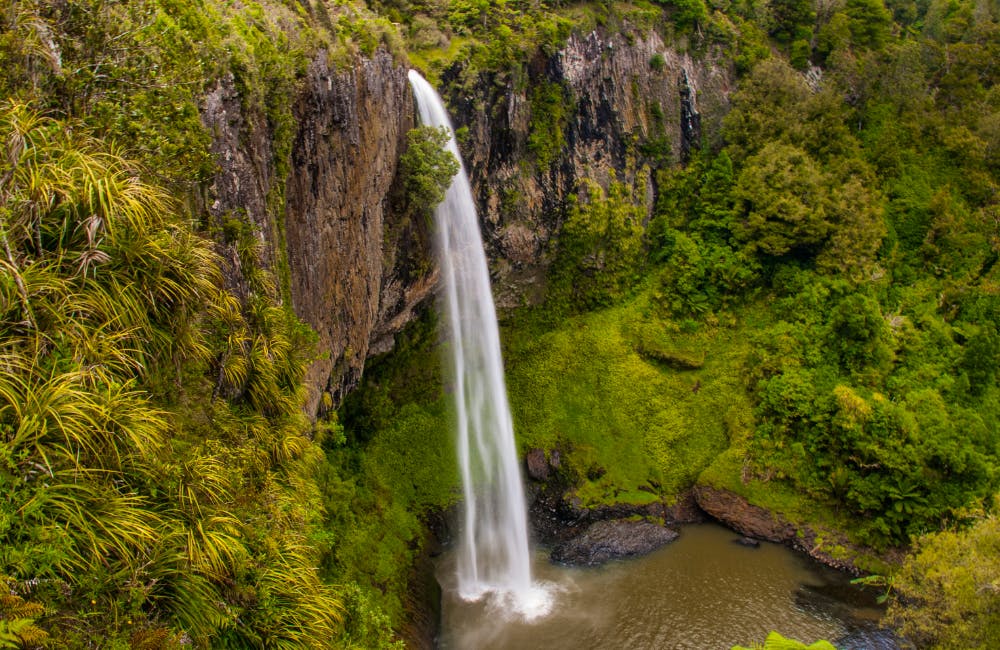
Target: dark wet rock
pixel 538 466
pixel 611 540
pixel 557 515
pixel 690 118
pixel 684 510
pixel 870 639
pixel 749 542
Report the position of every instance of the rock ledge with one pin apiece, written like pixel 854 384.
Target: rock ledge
pixel 611 540
pixel 828 547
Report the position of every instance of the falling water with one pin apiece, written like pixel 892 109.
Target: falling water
pixel 493 557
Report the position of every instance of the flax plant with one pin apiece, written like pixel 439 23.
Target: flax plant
pixel 164 513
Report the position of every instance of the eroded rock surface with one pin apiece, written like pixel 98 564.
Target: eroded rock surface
pixel 356 271
pixel 623 117
pixel 828 547
pixel 611 540
pixel 743 517
pixel 538 465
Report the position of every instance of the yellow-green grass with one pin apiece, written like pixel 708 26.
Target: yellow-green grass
pixel 636 406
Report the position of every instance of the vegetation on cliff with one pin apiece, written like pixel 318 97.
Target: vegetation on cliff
pixel 136 505
pixel 809 313
pixel 158 475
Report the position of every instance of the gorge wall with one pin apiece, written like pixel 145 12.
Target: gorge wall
pixel 352 268
pixel 623 102
pixel 355 270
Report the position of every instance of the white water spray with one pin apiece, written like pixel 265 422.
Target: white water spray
pixel 493 556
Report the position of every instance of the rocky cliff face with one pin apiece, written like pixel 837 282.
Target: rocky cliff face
pixel 354 269
pixel 633 104
pixel 357 271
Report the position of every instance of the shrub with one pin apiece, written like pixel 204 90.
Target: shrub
pixel 427 168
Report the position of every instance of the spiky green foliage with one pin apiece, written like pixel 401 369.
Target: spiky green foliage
pixel 131 505
pixel 775 641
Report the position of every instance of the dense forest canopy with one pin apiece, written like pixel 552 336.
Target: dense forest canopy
pixel 808 315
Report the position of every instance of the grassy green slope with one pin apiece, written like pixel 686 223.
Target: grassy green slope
pixel 637 406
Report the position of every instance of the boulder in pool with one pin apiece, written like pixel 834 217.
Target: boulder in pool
pixel 612 540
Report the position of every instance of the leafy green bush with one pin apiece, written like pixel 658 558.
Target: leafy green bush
pixel 883 459
pixel 686 13
pixel 781 190
pixel 427 168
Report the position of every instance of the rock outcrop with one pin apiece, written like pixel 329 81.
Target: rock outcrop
pixel 743 517
pixel 244 154
pixel 354 269
pixel 541 468
pixel 828 547
pixel 612 540
pixel 631 104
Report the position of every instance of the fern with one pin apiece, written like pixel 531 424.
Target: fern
pixel 775 641
pixel 17 619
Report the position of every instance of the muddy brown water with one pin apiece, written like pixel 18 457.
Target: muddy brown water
pixel 701 592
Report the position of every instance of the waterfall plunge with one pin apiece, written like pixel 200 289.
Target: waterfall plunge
pixel 493 556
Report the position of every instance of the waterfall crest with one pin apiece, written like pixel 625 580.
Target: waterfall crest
pixel 493 554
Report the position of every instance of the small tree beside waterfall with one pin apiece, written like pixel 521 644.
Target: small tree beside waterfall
pixel 427 168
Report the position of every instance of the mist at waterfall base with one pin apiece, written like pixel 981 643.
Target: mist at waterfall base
pixel 701 592
pixel 493 561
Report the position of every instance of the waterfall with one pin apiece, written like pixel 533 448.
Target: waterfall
pixel 493 556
